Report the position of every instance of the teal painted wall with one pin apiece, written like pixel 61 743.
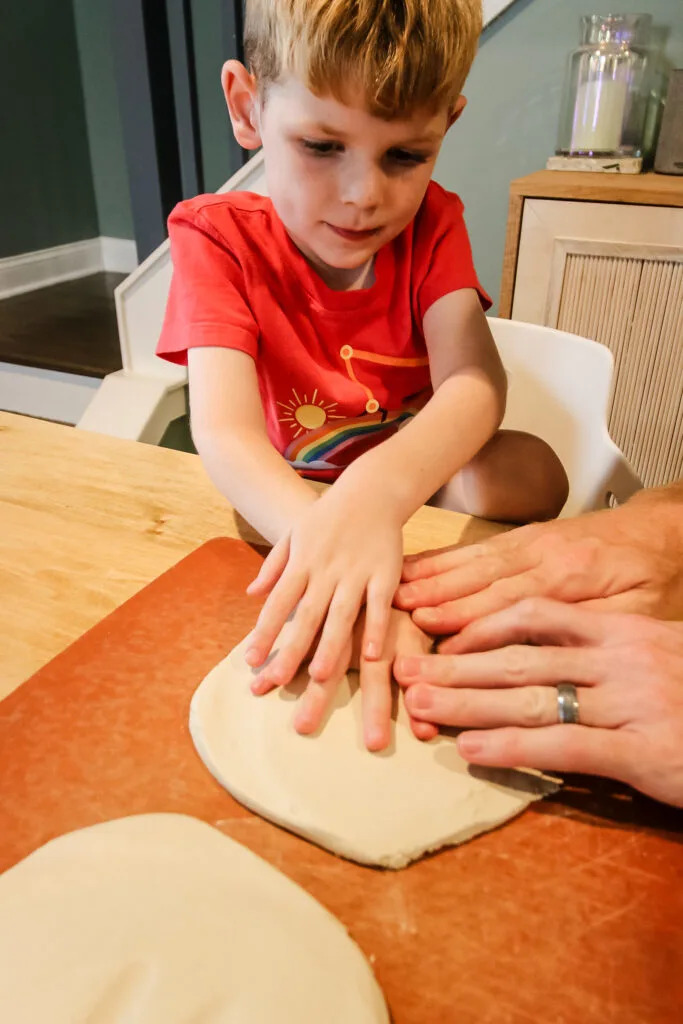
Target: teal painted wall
pixel 509 126
pixel 105 138
pixel 46 185
pixel 213 115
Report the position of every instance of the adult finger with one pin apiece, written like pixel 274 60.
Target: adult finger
pixel 375 685
pixel 463 581
pixel 432 563
pixel 423 731
pixel 506 667
pixel 527 707
pixel 452 616
pixel 338 628
pixel 413 645
pixel 563 748
pixel 537 621
pixel 272 568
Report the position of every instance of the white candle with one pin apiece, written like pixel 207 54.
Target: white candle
pixel 599 115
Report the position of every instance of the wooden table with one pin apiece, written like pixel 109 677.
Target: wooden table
pixel 87 520
pixel 569 915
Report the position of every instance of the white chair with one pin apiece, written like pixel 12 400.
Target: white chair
pixel 560 384
pixel 559 388
pixel 141 400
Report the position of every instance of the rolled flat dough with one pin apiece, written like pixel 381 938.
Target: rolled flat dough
pixel 160 919
pixel 384 809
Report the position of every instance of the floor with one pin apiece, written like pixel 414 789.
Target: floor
pixel 69 327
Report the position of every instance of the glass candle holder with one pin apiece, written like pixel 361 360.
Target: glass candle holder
pixel 606 91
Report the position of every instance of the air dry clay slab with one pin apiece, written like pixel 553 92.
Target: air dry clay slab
pixel 161 919
pixel 383 809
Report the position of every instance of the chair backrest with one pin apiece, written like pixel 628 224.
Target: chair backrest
pixel 559 389
pixel 141 298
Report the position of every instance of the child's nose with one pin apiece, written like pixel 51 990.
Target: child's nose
pixel 363 187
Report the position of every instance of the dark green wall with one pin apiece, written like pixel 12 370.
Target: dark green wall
pixel 46 186
pixel 213 115
pixel 110 178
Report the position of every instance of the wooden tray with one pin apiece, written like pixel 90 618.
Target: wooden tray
pixel 570 914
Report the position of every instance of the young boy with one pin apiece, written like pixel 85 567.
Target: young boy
pixel 336 330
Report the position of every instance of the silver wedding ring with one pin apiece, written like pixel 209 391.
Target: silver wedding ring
pixel 567 704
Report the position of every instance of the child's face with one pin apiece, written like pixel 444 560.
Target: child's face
pixel 344 182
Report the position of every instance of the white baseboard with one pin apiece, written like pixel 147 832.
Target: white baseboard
pixel 47 394
pixel 31 270
pixel 119 255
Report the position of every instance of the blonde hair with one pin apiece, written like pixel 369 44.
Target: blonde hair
pixel 404 55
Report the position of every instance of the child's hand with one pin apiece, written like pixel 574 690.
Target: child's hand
pixel 340 554
pixel 404 638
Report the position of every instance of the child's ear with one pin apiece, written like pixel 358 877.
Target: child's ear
pixel 241 95
pixel 457 110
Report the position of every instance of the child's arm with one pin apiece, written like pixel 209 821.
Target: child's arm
pixel 229 431
pixel 357 524
pixel 465 411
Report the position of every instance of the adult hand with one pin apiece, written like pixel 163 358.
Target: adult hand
pixel 341 553
pixel 622 560
pixel 628 670
pixel 404 638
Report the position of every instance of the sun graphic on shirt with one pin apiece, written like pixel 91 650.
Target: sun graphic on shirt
pixel 307 413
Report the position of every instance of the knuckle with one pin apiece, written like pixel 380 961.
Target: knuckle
pixel 531 611
pixel 535 707
pixel 515 664
pixel 647 656
pixel 307 613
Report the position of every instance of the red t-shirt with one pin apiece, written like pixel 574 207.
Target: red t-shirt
pixel 338 371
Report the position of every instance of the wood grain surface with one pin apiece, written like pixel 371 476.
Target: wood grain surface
pixel 87 520
pixel 639 189
pixel 570 914
pixel 636 189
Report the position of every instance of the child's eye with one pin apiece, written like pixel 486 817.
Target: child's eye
pixel 406 157
pixel 321 148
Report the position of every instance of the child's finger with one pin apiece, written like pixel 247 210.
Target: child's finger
pixel 318 697
pixel 272 569
pixel 283 600
pixel 295 642
pixel 375 685
pixel 337 632
pixel 377 614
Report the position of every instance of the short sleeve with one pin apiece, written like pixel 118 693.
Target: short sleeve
pixel 207 303
pixel 443 254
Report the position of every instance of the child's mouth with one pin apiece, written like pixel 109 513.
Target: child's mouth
pixel 354 236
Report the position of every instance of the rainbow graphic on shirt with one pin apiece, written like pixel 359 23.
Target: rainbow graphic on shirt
pixel 333 446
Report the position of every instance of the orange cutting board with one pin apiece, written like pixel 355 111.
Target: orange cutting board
pixel 571 914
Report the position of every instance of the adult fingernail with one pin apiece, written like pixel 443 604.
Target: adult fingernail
pixel 372 650
pixel 407 668
pixel 419 698
pixel 407 592
pixel 469 746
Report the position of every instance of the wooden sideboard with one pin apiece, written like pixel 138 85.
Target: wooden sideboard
pixel 601 255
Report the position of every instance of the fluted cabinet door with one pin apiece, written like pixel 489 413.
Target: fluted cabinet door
pixel 614 273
